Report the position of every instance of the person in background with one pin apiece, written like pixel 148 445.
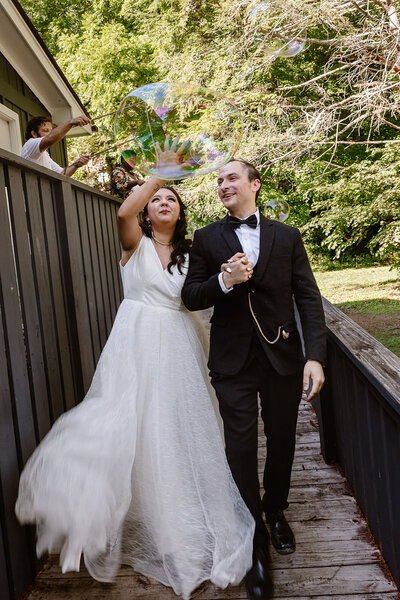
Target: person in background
pixel 123 180
pixel 41 135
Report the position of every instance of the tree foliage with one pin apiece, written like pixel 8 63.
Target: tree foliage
pixel 313 123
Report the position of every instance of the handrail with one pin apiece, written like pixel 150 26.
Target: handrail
pixel 377 363
pixel 29 165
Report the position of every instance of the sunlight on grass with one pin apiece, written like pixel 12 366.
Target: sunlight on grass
pixel 370 296
pixel 372 289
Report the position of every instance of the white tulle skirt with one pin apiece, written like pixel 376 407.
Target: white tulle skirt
pixel 136 473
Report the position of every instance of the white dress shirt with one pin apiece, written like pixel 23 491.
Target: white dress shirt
pixel 249 238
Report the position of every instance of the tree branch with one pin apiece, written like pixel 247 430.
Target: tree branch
pixel 384 61
pixel 332 42
pixel 349 126
pixel 383 5
pixel 299 85
pixel 363 143
pixel 391 124
pixel 351 169
pixel 364 12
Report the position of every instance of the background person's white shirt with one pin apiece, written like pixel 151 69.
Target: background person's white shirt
pixel 30 151
pixel 249 238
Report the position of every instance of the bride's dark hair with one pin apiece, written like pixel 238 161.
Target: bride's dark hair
pixel 180 243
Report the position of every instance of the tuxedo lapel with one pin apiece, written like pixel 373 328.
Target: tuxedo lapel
pixel 230 236
pixel 267 235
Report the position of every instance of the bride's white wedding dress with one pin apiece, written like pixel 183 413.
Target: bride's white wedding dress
pixel 136 473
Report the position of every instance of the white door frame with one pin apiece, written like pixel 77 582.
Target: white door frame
pixel 15 133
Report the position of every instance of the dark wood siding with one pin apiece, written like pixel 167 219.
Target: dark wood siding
pixel 16 95
pixel 60 289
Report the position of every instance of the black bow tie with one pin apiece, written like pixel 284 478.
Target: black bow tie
pixel 250 221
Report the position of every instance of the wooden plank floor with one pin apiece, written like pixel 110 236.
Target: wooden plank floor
pixel 335 557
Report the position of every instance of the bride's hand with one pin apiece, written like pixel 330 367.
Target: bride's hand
pixel 234 258
pixel 171 155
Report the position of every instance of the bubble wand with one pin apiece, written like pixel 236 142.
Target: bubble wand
pixel 99 152
pixel 112 113
pixel 110 147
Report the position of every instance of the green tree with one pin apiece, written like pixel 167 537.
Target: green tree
pixel 314 122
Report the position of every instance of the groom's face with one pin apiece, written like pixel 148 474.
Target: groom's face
pixel 235 190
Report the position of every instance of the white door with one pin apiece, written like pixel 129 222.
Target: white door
pixel 10 138
pixel 5 134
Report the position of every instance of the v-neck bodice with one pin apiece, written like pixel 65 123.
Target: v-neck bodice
pixel 145 280
pixel 158 256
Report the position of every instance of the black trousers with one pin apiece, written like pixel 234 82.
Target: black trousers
pixel 238 402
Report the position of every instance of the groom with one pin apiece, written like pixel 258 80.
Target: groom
pixel 250 268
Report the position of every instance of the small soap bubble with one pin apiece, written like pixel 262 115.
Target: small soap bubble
pixel 292 48
pixel 277 209
pixel 266 19
pixel 208 123
pixel 257 12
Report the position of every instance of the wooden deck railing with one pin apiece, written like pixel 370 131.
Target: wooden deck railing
pixel 359 418
pixel 59 292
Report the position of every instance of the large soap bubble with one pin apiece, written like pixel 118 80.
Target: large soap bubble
pixel 277 209
pixel 209 123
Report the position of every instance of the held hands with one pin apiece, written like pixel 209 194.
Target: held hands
pixel 314 372
pixel 236 270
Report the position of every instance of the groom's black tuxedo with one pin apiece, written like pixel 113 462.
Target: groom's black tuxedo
pixel 243 364
pixel 282 271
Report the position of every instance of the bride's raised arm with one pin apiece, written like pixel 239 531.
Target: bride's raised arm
pixel 129 230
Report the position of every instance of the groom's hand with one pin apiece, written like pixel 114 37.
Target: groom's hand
pixel 238 256
pixel 234 258
pixel 313 373
pixel 237 270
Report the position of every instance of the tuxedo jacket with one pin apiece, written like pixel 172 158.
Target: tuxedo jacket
pixel 263 305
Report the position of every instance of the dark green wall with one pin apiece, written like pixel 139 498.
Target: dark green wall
pixel 16 95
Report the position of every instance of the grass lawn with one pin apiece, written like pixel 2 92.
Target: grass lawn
pixel 370 296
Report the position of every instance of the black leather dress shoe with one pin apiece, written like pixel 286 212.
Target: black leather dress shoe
pixel 282 536
pixel 258 580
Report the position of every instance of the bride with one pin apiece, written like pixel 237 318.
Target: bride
pixel 136 473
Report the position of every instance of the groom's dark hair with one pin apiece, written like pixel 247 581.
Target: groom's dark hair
pixel 252 172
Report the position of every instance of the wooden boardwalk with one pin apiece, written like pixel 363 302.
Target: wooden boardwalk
pixel 335 557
